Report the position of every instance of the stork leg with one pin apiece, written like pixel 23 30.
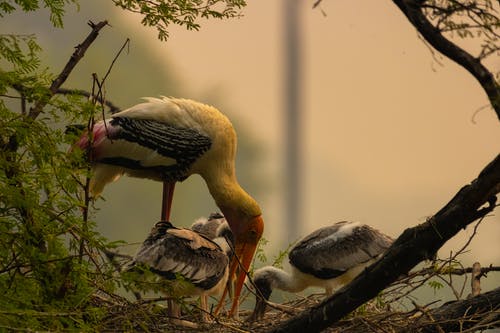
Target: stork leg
pixel 204 308
pixel 174 310
pixel 234 286
pixel 166 204
pixel 227 289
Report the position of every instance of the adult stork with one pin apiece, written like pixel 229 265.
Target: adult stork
pixel 168 140
pixel 170 252
pixel 328 258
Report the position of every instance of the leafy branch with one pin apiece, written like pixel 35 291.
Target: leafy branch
pixel 162 13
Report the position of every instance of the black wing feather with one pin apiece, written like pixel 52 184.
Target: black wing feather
pixel 327 252
pixel 185 145
pixel 169 256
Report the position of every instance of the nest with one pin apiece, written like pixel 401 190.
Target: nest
pixel 148 316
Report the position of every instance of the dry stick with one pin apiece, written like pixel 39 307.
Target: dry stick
pixel 427 314
pixel 99 97
pixel 317 3
pixel 413 246
pixel 86 188
pixel 100 84
pixel 112 106
pixel 432 272
pixel 61 78
pixel 127 43
pixel 452 271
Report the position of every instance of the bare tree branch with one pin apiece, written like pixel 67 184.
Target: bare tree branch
pixel 61 78
pixel 413 246
pixel 454 271
pixel 470 315
pixel 413 11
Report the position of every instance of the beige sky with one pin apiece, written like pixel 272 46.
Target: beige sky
pixel 388 130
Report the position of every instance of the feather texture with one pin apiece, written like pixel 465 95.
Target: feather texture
pixel 330 251
pixel 328 258
pixel 169 251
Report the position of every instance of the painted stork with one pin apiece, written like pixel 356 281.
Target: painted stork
pixel 203 264
pixel 168 140
pixel 328 258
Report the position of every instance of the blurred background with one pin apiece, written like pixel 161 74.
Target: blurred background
pixel 387 131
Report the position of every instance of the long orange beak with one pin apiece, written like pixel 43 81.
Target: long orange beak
pixel 246 239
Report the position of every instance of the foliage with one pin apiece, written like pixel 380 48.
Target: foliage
pixel 55 7
pixel 282 255
pixel 259 252
pixel 49 262
pixel 435 285
pixel 161 13
pixel 51 259
pixel 48 250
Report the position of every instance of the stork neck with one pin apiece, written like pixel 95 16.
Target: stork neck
pixel 280 279
pixel 231 198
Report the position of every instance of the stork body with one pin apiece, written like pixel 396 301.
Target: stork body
pixel 327 258
pixel 202 264
pixel 168 140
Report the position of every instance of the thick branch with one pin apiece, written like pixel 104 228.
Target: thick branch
pixel 413 246
pixel 61 78
pixel 470 315
pixel 413 11
pixel 480 312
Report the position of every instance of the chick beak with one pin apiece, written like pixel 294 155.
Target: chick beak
pixel 258 311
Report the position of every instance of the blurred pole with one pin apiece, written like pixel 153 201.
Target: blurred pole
pixel 292 104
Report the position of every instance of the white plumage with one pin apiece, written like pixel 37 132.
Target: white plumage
pixel 328 258
pixel 164 139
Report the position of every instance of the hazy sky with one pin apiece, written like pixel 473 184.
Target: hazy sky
pixel 388 130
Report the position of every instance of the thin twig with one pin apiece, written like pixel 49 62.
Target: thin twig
pixel 112 106
pixel 70 65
